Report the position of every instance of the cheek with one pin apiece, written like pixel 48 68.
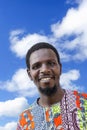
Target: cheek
pixel 58 69
pixel 34 75
pixel 57 72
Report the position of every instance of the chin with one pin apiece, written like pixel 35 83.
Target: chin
pixel 48 91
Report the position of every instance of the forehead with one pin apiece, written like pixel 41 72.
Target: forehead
pixel 41 55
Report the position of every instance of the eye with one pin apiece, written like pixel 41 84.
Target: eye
pixel 36 66
pixel 51 63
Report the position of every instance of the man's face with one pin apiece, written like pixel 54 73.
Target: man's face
pixel 44 69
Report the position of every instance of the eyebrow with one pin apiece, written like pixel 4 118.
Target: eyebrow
pixel 46 61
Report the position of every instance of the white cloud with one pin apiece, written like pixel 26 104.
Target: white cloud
pixel 12 108
pixel 74 22
pixel 9 126
pixel 72 32
pixel 20 46
pixel 67 80
pixel 20 83
pixel 69 35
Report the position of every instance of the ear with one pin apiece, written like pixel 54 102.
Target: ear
pixel 29 74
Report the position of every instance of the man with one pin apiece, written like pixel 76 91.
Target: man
pixel 56 108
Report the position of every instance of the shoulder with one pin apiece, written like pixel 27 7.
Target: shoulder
pixel 76 93
pixel 80 94
pixel 28 112
pixel 81 100
pixel 26 117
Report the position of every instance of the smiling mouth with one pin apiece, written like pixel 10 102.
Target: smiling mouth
pixel 46 79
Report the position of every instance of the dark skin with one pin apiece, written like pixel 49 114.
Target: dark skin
pixel 45 72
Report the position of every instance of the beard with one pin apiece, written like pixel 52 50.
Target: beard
pixel 48 91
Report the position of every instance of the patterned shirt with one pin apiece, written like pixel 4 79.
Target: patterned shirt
pixel 69 114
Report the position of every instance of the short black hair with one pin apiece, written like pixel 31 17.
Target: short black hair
pixel 38 46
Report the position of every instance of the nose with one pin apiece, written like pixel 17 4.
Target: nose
pixel 44 69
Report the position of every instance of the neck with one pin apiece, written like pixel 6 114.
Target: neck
pixel 47 101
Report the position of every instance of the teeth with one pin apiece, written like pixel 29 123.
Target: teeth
pixel 45 79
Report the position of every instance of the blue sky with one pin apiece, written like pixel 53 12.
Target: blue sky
pixel 23 23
